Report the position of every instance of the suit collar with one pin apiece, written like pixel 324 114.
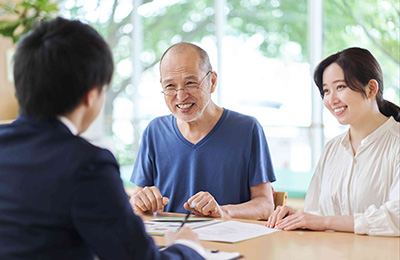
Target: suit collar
pixel 52 123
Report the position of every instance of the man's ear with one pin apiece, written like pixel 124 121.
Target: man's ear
pixel 214 77
pixel 90 97
pixel 372 88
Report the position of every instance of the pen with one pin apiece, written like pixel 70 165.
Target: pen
pixel 188 214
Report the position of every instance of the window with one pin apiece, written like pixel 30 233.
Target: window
pixel 261 57
pixel 372 25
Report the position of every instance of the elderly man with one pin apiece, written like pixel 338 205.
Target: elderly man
pixel 202 155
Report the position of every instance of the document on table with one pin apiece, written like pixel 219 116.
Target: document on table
pixel 211 229
pixel 162 225
pixel 232 231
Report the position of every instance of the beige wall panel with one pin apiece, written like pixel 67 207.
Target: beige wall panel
pixel 8 101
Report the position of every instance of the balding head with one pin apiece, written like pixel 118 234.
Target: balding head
pixel 183 47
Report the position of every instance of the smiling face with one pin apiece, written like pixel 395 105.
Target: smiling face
pixel 348 106
pixel 182 69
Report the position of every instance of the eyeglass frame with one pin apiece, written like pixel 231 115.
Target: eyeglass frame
pixel 186 88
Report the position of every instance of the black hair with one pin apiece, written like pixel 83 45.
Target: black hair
pixel 359 67
pixel 57 64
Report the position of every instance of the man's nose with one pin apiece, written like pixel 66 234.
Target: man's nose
pixel 181 94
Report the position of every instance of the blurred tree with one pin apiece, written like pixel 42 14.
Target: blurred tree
pixel 22 16
pixel 371 24
pixel 376 20
pixel 278 22
pixel 160 30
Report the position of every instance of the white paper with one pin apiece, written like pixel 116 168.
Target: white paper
pixel 160 228
pixel 232 231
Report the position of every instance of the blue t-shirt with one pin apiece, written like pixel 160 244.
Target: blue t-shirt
pixel 229 160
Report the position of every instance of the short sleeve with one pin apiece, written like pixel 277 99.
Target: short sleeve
pixel 143 170
pixel 260 170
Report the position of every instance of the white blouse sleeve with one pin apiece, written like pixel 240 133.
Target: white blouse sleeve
pixel 314 190
pixel 382 221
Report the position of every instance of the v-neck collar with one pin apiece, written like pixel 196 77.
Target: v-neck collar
pixel 202 141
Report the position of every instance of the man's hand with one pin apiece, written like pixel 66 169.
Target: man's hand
pixel 280 213
pixel 148 199
pixel 206 205
pixel 184 233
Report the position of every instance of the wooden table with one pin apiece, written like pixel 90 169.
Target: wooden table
pixel 305 245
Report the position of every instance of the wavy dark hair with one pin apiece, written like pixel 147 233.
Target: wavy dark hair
pixel 359 67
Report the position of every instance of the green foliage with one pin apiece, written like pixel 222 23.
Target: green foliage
pixel 370 24
pixel 125 153
pixel 24 16
pixel 278 22
pixel 188 21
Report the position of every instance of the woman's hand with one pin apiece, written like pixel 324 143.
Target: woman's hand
pixel 303 220
pixel 276 216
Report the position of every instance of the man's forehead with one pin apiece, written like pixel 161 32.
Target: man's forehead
pixel 169 76
pixel 188 58
pixel 184 63
pixel 177 70
pixel 189 55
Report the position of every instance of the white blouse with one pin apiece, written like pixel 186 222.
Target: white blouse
pixel 366 186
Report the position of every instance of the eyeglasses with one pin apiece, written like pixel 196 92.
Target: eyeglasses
pixel 190 89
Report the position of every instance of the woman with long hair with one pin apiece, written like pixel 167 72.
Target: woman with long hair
pixel 356 185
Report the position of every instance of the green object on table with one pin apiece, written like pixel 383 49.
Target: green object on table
pixel 179 219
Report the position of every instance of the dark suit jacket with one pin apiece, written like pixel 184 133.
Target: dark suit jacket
pixel 62 198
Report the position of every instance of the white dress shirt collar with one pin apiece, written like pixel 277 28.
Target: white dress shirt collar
pixel 68 123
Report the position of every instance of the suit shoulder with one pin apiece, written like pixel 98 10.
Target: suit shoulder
pixel 86 150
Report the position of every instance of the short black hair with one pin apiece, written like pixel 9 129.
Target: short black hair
pixel 57 64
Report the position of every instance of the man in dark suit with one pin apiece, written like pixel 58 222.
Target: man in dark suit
pixel 60 196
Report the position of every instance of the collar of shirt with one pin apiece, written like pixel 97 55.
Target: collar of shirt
pixel 68 123
pixel 346 143
pixel 375 135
